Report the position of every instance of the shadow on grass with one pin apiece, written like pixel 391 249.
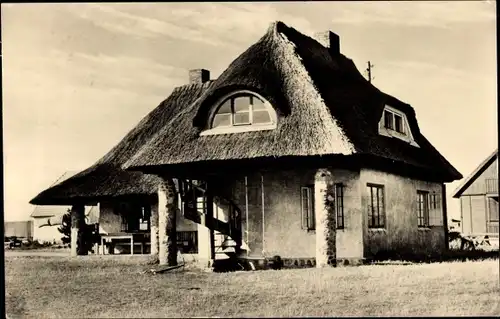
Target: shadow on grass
pixel 403 257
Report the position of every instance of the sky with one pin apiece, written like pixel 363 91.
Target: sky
pixel 77 77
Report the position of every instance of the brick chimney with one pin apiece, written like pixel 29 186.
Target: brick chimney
pixel 199 76
pixel 329 40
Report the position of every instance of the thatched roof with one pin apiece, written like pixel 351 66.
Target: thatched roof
pixel 325 107
pixel 106 178
pixel 324 104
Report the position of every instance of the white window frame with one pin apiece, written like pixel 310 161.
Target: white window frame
pixel 240 127
pixel 406 136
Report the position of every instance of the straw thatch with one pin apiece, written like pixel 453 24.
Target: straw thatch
pixel 324 105
pixel 106 178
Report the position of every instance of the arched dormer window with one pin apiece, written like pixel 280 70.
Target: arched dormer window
pixel 241 111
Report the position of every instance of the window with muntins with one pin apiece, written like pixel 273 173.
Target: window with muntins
pixel 307 208
pixel 376 209
pixel 423 208
pixel 242 109
pixel 393 121
pixel 339 205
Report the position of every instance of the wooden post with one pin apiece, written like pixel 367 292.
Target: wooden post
pixel 77 224
pixel 167 208
pixel 325 219
pixel 154 230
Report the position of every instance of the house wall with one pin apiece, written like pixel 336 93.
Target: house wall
pixel 282 233
pixel 19 229
pixel 46 233
pixel 401 232
pixel 350 239
pixel 474 212
pixel 478 187
pixel 465 214
pixel 475 206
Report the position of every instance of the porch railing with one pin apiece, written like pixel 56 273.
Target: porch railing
pixel 197 211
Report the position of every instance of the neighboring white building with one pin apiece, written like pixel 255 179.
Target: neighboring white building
pixel 47 219
pixel 41 229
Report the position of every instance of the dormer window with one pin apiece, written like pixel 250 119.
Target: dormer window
pixel 393 121
pixel 241 111
pixel 395 124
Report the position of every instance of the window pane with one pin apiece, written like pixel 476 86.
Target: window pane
pixel 261 117
pixel 398 123
pixel 242 118
pixel 258 104
pixel 222 120
pixel 389 120
pixel 242 104
pixel 225 107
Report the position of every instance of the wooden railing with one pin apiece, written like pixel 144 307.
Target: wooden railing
pixel 198 212
pixel 492 186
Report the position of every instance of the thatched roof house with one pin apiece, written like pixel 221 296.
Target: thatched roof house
pixel 296 120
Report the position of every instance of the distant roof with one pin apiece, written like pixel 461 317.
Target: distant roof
pixel 49 211
pixel 475 174
pixel 40 211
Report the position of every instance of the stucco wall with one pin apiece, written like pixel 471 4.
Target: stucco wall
pixel 281 232
pixel 350 239
pixel 401 232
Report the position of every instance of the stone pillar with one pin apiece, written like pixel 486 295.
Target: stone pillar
pixel 325 219
pixel 167 208
pixel 154 230
pixel 77 225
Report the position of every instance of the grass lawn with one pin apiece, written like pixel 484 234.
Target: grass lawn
pixel 58 287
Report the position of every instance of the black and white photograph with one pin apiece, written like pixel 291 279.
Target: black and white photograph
pixel 250 159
